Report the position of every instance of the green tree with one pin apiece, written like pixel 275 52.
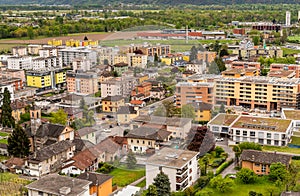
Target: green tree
pixel 255 40
pixel 246 176
pixel 278 171
pixel 30 33
pixel 59 117
pixel 7 119
pixel 162 184
pixel 237 152
pixel 168 109
pixel 219 150
pixel 205 161
pixel 222 185
pixel 131 160
pixel 151 191
pixel 188 111
pixel 220 64
pixel 18 143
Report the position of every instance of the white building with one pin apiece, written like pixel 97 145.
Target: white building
pixel 198 68
pixel 48 52
pixel 41 63
pixel 82 63
pixel 118 86
pixel 181 166
pixel 288 18
pixel 69 54
pixel 20 63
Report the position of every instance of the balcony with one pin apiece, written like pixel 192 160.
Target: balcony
pixel 181 171
pixel 181 187
pixel 179 180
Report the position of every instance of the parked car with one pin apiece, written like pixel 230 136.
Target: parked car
pixel 219 139
pixel 109 116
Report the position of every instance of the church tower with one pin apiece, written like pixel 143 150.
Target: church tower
pixel 35 118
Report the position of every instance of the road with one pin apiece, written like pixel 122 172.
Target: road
pixel 230 169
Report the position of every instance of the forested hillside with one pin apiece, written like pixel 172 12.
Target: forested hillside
pixel 166 2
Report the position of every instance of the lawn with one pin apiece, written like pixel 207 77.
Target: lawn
pixel 282 149
pixel 3 134
pixel 288 51
pixel 295 140
pixel 142 184
pixel 243 189
pixel 11 184
pixel 3 141
pixel 123 177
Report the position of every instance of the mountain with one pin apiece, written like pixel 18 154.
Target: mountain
pixel 162 2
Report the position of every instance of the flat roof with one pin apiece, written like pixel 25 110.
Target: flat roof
pixel 292 114
pixel 260 123
pixel 171 157
pixel 223 119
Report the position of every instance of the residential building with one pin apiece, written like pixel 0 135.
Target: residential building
pixel 258 52
pixel 120 58
pixel 13 73
pixel 16 83
pixel 46 80
pixel 19 63
pixel 82 83
pixel 213 34
pixel 111 149
pixel 239 31
pixel 121 86
pixel 137 60
pixel 112 103
pixel 55 184
pixel 49 159
pixel 265 131
pixel 15 165
pixel 259 162
pixel 237 73
pixel 18 108
pixel 42 63
pixel 286 67
pixel 48 52
pixel 101 183
pixel 157 93
pixel 202 111
pixel 120 68
pixel 143 88
pixel 87 133
pixel 179 127
pixel 206 56
pixel 125 114
pixel 181 167
pixel 55 42
pixel 244 65
pixel 33 49
pixel 69 54
pixel 144 138
pixel 81 64
pixel 198 68
pixel 150 50
pixel 190 92
pixel 284 74
pixel 258 92
pixel 19 51
pixel 128 190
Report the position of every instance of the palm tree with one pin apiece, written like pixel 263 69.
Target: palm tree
pixel 237 150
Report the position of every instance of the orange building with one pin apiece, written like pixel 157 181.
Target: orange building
pixel 206 56
pixel 101 183
pixel 260 162
pixel 143 88
pixel 244 65
pixel 237 73
pixel 286 67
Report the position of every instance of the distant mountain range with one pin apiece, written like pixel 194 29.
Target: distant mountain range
pixel 162 2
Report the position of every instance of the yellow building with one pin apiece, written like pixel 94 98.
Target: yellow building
pixel 142 78
pixel 169 60
pixel 72 43
pixel 125 114
pixel 254 52
pixel 120 59
pixel 112 103
pixel 55 42
pixel 186 58
pixel 46 80
pixel 77 43
pixel 202 111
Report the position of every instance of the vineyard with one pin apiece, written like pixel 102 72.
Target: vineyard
pixel 11 185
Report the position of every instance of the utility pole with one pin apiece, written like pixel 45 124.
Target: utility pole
pixel 186 34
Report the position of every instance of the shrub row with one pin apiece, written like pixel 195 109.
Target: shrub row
pixel 223 166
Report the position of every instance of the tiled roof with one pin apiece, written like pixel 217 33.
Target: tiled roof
pixel 136 102
pixel 95 178
pixel 113 98
pixel 176 122
pixel 256 156
pixel 86 130
pixel 50 130
pixel 126 110
pixel 84 159
pixel 149 133
pixel 108 145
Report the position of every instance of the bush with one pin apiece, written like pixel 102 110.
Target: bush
pixel 105 168
pixel 218 162
pixel 221 184
pixel 223 166
pixel 202 181
pixel 246 176
pixel 219 150
pixel 250 145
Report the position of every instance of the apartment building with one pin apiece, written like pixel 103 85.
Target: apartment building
pixel 118 86
pixel 286 67
pixel 181 166
pixel 206 56
pixel 11 73
pixel 237 72
pixel 198 68
pixel 258 92
pixel 19 63
pixel 48 52
pixel 190 92
pixel 120 58
pixel 41 63
pixel 69 54
pixel 265 131
pixel 82 64
pixel 33 49
pixel 150 50
pixel 20 51
pixel 46 80
pixel 244 65
pixel 82 83
pixel 112 103
pixel 143 89
pixel 16 83
pixel 137 60
pixel 120 68
pixel 258 52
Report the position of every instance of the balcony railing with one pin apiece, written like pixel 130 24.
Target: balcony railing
pixel 181 171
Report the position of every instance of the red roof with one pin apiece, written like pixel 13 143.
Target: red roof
pixel 136 102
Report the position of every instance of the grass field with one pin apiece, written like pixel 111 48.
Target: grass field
pixel 123 177
pixel 288 51
pixel 3 134
pixel 292 38
pixel 7 47
pixel 238 189
pixel 3 141
pixel 282 149
pixel 11 184
pixel 142 184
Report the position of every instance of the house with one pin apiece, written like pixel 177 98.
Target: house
pixel 111 149
pixel 143 88
pixel 81 144
pixel 157 93
pixel 112 103
pixel 125 114
pixel 101 183
pixel 202 111
pixel 122 141
pixel 83 161
pixel 120 68
pixel 260 162
pixel 55 184
pixel 137 104
pixel 143 138
pixel 181 166
pixel 18 108
pixel 15 165
pixel 73 113
pixel 87 133
pixel 49 159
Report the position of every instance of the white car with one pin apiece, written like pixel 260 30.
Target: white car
pixel 219 139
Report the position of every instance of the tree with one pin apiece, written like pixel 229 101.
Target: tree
pixel 219 150
pixel 30 33
pixel 222 108
pixel 237 152
pixel 131 160
pixel 220 64
pixel 18 143
pixel 162 184
pixel 59 117
pixel 188 111
pixel 193 54
pixel 151 191
pixel 246 176
pixel 205 161
pixel 256 40
pixel 222 185
pixel 168 109
pixel 7 120
pixel 278 172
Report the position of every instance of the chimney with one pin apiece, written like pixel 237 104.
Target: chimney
pixel 253 157
pixel 65 190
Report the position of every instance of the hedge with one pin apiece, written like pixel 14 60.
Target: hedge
pixel 223 166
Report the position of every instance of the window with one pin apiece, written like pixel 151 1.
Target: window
pixel 260 134
pixel 244 133
pixel 269 142
pixel 276 142
pixel 261 141
pixel 269 135
pixel 137 141
pixel 257 164
pixel 252 133
pixel 131 141
pixel 237 132
pixel 263 168
pixel 276 136
pixel 40 193
pixel 143 142
pixel 283 143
